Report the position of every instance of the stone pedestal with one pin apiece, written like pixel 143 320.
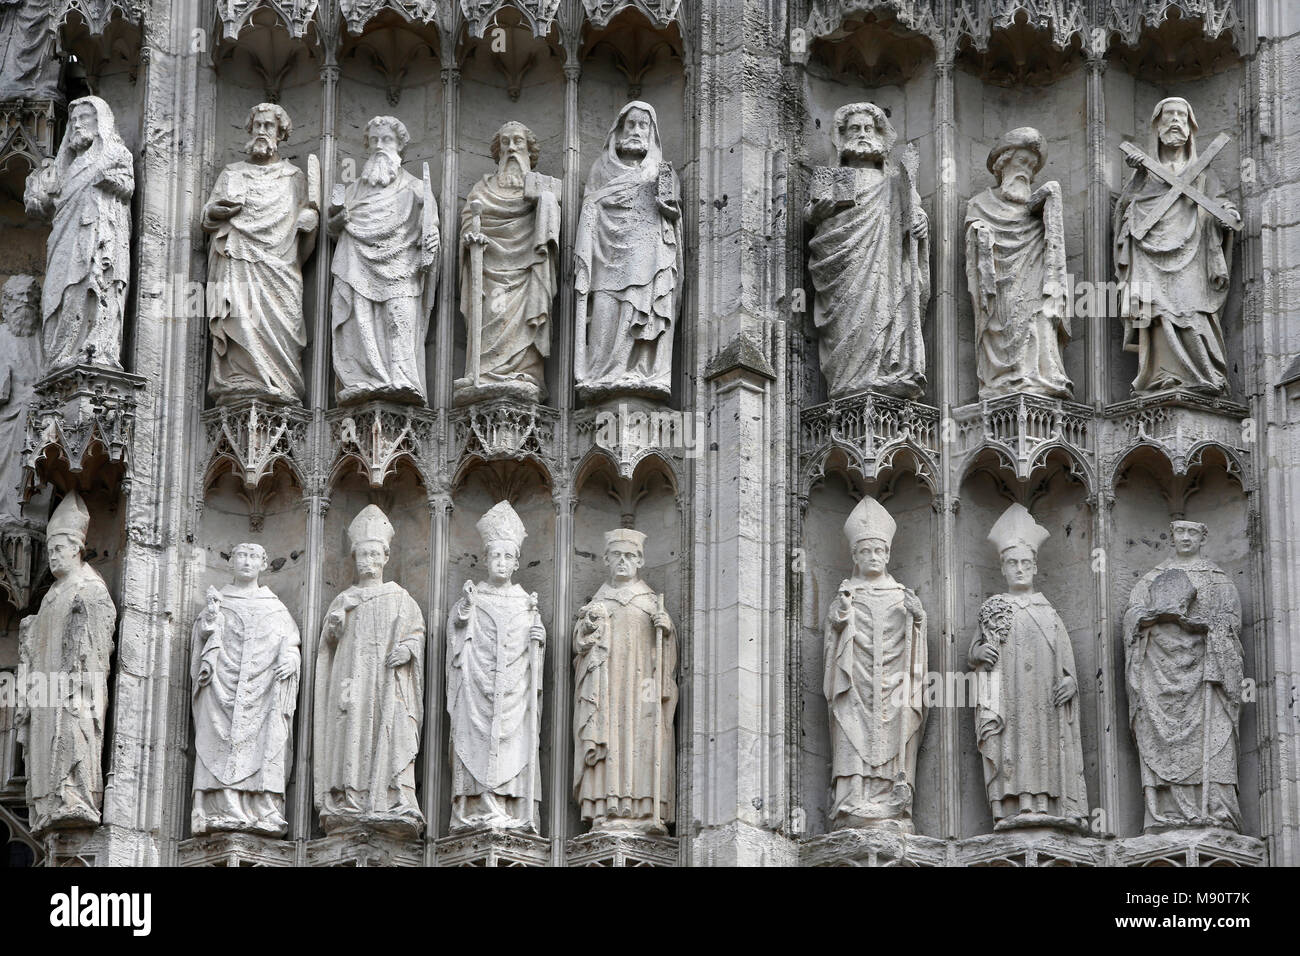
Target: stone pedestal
pixel 621 849
pixel 494 848
pixel 235 849
pixel 364 848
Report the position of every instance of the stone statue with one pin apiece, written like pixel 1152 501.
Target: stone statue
pixel 869 259
pixel 875 667
pixel 495 646
pixel 85 192
pixel 510 248
pixel 625 696
pixel 29 68
pixel 263 216
pixel 1174 227
pixel 1015 271
pixel 1183 670
pixel 244 665
pixel 369 694
pixel 1027 718
pixel 21 362
pixel 65 648
pixel 385 272
pixel 628 264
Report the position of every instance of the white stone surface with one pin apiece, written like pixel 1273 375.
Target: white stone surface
pixel 21 361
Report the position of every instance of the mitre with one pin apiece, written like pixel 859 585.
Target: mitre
pixel 70 518
pixel 1017 527
pixel 501 523
pixel 370 524
pixel 869 520
pixel 625 536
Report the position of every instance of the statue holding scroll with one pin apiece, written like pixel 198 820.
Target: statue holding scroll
pixel 1184 673
pixel 869 260
pixel 510 248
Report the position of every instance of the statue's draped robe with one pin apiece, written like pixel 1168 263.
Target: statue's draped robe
pixel 614 716
pixel 28 67
pixel 520 267
pixel 368 715
pixel 1015 270
pixel 1032 749
pixel 493 684
pixel 872 278
pixel 255 285
pixel 88 253
pixel 1173 325
pixel 21 362
pixel 71 634
pixel 243 718
pixel 628 263
pixel 1172 674
pixel 379 315
pixel 875 666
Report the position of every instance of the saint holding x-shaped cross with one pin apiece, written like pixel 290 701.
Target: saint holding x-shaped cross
pixel 1174 226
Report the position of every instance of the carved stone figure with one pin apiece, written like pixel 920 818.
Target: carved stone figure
pixel 263 215
pixel 85 193
pixel 369 694
pixel 869 260
pixel 625 696
pixel 244 667
pixel 1027 718
pixel 65 648
pixel 1184 671
pixel 495 646
pixel 385 272
pixel 510 246
pixel 28 66
pixel 1015 270
pixel 628 264
pixel 875 667
pixel 1174 227
pixel 21 361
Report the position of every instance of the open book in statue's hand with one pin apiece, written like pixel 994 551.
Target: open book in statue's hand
pixel 1170 599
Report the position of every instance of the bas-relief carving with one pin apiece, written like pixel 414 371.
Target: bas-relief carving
pixel 625 696
pixel 1015 271
pixel 1184 670
pixel 1174 226
pixel 244 667
pixel 21 361
pixel 869 260
pixel 495 648
pixel 28 66
pixel 85 193
pixel 66 646
pixel 385 272
pixel 509 234
pixel 628 264
pixel 369 696
pixel 1027 720
pixel 875 670
pixel 263 216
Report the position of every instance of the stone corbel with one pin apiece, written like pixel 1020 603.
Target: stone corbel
pixel 871 429
pixel 494 848
pixel 659 12
pixel 21 544
pixel 620 849
pixel 481 14
pixel 98 32
pixel 504 430
pixel 250 438
pixel 375 437
pixel 357 13
pixel 296 15
pixel 27 131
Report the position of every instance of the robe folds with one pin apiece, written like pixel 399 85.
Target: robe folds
pixel 616 707
pixel 368 715
pixel 1032 749
pixel 255 284
pixel 63 739
pixel 875 667
pixel 243 717
pixel 872 279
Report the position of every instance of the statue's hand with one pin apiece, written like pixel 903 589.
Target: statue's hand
pixel 398 657
pixel 820 209
pixel 912 605
pixel 661 619
pixel 474 238
pixel 221 209
pixel 1065 690
pixel 308 220
pixel 920 225
pixel 334 622
pixel 1133 160
pixel 337 219
pixel 205 675
pixel 284 670
pixel 986 654
pixel 431 243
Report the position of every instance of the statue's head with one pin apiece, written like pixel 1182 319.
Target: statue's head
pixel 1188 536
pixel 20 305
pixel 502 533
pixel 502 560
pixel 515 150
pixel 871 557
pixel 870 532
pixel 268 126
pixel 386 138
pixel 634 134
pixel 1019 566
pixel 65 535
pixel 1173 122
pixel 370 535
pixel 624 554
pixel 862 133
pixel 247 561
pixel 1017 536
pixel 83 126
pixel 1015 160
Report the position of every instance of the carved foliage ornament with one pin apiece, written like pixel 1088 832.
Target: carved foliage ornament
pixel 480 14
pixel 296 15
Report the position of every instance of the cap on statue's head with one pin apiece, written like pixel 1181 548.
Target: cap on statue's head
pixel 625 536
pixel 70 518
pixel 1022 137
pixel 1018 527
pixel 370 524
pixel 501 523
pixel 869 520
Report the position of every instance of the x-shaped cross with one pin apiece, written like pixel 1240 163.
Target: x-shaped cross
pixel 1180 184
